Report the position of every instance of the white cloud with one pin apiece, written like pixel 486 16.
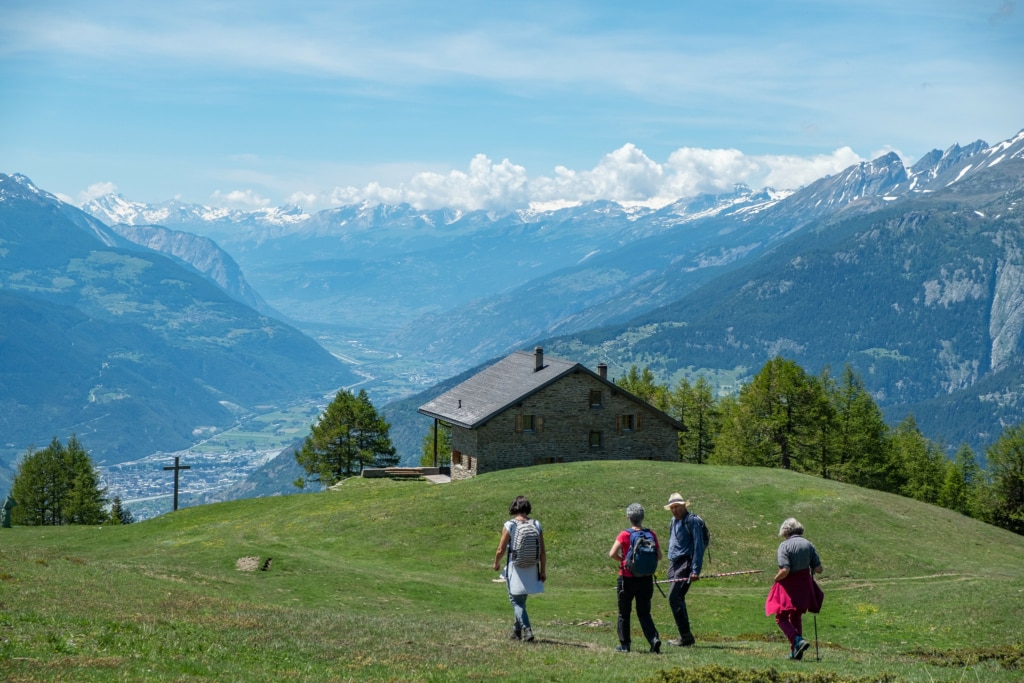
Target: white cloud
pixel 246 199
pixel 96 190
pixel 486 185
pixel 624 175
pixel 303 198
pixel 792 172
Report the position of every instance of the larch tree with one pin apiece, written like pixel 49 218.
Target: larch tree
pixel 861 439
pixel 1006 469
pixel 961 488
pixel 642 384
pixel 773 422
pixel 58 485
pixel 921 464
pixel 695 406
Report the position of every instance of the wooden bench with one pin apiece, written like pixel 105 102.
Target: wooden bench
pixel 403 472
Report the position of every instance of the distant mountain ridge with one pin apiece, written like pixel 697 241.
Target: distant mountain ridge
pixel 451 289
pixel 672 261
pixel 352 262
pixel 687 300
pixel 129 348
pixel 920 292
pixel 595 280
pixel 201 253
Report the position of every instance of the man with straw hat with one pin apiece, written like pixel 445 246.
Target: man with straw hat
pixel 685 556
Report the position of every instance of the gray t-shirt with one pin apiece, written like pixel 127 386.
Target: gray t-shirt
pixel 797 553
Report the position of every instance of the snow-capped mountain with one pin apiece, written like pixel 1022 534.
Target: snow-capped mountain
pixel 215 222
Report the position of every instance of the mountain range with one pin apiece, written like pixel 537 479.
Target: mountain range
pixel 133 350
pixel 912 275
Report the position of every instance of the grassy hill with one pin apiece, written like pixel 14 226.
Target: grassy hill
pixel 382 580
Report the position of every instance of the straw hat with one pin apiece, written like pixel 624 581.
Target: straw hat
pixel 676 499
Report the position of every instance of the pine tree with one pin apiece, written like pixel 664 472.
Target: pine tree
pixel 119 514
pixel 350 435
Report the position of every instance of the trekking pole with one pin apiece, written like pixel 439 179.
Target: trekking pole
pixel 714 576
pixel 817 657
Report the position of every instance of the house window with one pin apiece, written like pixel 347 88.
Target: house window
pixel 456 458
pixel 529 423
pixel 595 398
pixel 627 423
pixel 595 439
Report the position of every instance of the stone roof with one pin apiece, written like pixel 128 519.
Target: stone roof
pixel 495 388
pixel 509 381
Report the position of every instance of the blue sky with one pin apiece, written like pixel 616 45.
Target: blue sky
pixel 490 105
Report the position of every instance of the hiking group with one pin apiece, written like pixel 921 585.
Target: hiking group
pixel 637 552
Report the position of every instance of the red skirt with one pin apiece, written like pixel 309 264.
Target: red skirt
pixel 797 592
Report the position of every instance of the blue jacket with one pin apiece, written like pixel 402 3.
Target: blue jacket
pixel 684 540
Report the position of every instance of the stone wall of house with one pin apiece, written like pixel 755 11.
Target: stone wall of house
pixel 563 421
pixel 465 453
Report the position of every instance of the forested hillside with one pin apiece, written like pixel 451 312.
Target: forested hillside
pixel 922 298
pixel 129 349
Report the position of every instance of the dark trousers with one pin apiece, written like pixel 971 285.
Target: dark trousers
pixel 791 623
pixel 680 569
pixel 642 590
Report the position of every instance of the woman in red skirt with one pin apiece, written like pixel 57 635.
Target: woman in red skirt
pixel 795 591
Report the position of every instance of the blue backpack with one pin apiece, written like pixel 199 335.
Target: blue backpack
pixel 642 556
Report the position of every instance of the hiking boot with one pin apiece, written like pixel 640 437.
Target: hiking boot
pixel 622 648
pixel 656 645
pixel 516 635
pixel 800 648
pixel 685 640
pixel 528 635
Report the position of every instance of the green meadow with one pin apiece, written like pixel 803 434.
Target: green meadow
pixel 382 580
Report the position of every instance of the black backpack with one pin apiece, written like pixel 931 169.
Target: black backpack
pixel 642 556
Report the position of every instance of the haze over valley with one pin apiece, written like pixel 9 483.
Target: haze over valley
pixel 404 299
pixel 214 217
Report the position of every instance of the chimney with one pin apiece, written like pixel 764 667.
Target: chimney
pixel 602 370
pixel 538 359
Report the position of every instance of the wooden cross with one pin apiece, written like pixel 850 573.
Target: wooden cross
pixel 177 468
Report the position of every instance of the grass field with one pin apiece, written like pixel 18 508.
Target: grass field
pixel 391 581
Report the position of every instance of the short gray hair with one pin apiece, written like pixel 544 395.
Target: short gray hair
pixel 635 512
pixel 791 527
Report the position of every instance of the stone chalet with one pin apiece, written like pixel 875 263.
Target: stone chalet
pixel 530 410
